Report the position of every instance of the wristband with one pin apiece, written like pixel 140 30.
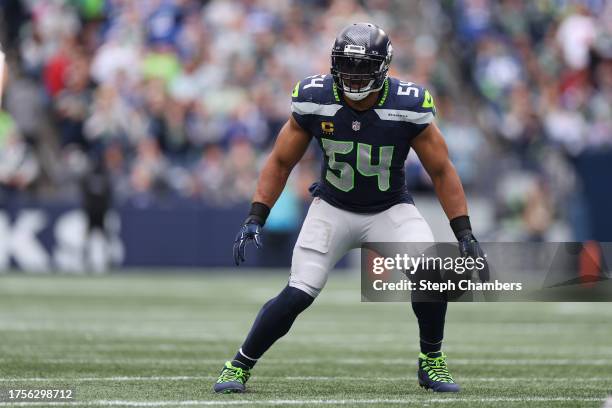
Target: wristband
pixel 461 226
pixel 259 213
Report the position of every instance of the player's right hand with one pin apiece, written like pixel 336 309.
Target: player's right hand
pixel 250 231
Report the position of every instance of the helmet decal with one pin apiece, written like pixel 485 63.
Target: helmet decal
pixel 355 49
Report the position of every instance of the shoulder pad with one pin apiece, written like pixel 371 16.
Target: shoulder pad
pixel 316 88
pixel 407 102
pixel 315 95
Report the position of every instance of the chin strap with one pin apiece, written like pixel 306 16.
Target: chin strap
pixel 358 96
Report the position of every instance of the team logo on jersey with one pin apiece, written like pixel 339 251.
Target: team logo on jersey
pixel 356 125
pixel 327 127
pixel 428 101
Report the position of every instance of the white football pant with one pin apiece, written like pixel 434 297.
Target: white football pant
pixel 328 233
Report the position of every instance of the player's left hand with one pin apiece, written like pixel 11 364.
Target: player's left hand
pixel 250 231
pixel 470 248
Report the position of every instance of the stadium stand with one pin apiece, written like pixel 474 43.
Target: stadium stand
pixel 182 98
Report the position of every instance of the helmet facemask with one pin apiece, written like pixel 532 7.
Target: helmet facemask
pixel 358 75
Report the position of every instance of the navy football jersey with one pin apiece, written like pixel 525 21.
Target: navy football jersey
pixel 364 151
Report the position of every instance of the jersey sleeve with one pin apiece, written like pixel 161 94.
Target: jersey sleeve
pixel 409 104
pixel 428 105
pixel 302 98
pixel 422 108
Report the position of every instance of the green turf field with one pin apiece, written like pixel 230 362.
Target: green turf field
pixel 160 340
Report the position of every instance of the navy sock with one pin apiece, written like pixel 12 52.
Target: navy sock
pixel 242 361
pixel 273 322
pixel 430 316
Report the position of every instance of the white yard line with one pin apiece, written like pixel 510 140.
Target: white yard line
pixel 348 361
pixel 451 400
pixel 459 379
pixel 294 378
pixel 27 350
pixel 111 379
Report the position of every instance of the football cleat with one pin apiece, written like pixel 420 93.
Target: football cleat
pixel 231 379
pixel 433 373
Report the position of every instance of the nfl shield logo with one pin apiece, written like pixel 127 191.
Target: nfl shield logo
pixel 356 125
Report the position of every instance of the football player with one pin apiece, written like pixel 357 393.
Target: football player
pixel 365 122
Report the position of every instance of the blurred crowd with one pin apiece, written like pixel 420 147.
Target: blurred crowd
pixel 183 98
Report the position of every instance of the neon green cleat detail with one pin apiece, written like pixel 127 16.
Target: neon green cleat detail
pixel 433 373
pixel 232 379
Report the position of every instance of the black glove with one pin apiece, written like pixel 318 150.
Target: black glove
pixel 469 246
pixel 250 231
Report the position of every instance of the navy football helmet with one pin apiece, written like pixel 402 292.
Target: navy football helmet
pixel 360 60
